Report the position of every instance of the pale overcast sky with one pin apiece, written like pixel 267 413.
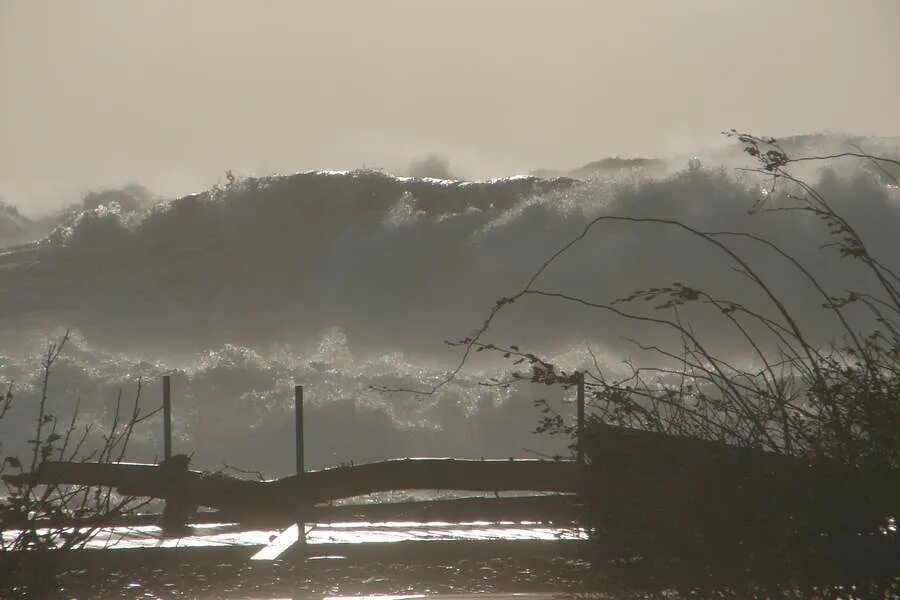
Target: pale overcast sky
pixel 171 94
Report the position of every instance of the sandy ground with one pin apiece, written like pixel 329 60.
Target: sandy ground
pixel 411 569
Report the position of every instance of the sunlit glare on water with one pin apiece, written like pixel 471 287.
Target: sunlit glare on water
pixel 229 534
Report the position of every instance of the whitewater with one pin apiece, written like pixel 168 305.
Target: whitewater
pixel 348 282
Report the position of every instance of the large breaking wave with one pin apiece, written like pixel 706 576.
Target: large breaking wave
pixel 344 281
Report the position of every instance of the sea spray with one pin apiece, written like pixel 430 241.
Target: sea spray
pixel 349 282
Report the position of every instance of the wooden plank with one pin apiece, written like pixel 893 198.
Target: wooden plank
pixel 240 498
pixel 554 508
pixel 436 474
pixel 280 544
pixel 544 508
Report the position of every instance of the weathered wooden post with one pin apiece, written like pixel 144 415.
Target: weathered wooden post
pixel 179 505
pixel 298 427
pixel 167 416
pixel 301 468
pixel 580 427
pixel 296 533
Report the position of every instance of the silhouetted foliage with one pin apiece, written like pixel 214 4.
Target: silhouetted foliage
pixel 783 467
pixel 40 523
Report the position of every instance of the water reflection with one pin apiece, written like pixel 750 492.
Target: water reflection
pixel 230 534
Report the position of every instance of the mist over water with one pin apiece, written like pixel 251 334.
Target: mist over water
pixel 345 281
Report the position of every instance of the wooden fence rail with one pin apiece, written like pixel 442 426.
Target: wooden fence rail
pixel 242 499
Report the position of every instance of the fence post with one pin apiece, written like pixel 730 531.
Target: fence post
pixel 579 439
pixel 298 427
pixel 167 417
pixel 298 438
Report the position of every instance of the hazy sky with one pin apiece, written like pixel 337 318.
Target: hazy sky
pixel 171 94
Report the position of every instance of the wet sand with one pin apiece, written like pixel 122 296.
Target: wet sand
pixel 460 568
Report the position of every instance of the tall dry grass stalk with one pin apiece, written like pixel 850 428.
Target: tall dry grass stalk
pixel 39 523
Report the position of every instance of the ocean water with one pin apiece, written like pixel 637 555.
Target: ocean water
pixel 317 534
pixel 349 283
